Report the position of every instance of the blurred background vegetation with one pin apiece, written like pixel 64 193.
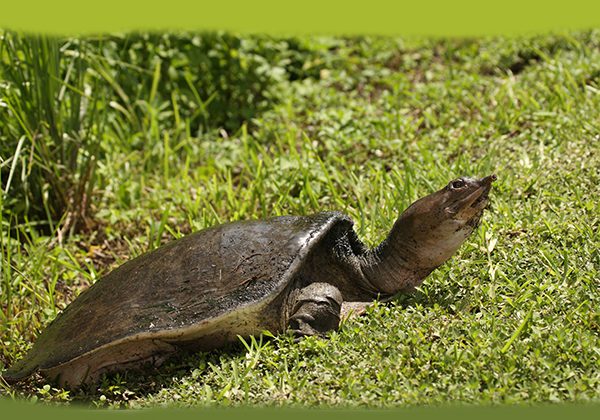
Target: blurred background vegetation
pixel 67 102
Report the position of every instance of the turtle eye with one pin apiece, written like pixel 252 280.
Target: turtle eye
pixel 458 184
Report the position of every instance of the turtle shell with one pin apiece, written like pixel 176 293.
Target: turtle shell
pixel 231 272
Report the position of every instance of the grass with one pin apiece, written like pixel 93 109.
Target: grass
pixel 375 124
pixel 57 119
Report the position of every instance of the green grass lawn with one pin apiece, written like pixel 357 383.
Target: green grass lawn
pixel 364 126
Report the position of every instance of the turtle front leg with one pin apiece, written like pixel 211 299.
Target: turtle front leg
pixel 314 309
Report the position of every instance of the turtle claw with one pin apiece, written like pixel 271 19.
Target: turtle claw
pixel 353 310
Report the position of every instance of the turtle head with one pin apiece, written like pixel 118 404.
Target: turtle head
pixel 435 226
pixel 426 235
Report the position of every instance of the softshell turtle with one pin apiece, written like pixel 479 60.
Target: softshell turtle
pixel 203 290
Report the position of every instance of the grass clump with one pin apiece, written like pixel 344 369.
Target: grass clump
pixel 66 102
pixel 366 127
pixel 52 123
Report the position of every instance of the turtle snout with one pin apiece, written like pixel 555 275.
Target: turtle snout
pixel 489 179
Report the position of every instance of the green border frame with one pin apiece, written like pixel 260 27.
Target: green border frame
pixel 384 17
pixel 14 410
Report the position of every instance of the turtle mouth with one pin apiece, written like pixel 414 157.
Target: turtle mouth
pixel 483 199
pixel 484 192
pixel 474 202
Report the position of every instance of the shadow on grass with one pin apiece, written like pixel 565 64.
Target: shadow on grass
pixel 118 389
pixel 121 387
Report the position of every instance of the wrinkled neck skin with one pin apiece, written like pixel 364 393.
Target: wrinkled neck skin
pixel 424 237
pixel 396 265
